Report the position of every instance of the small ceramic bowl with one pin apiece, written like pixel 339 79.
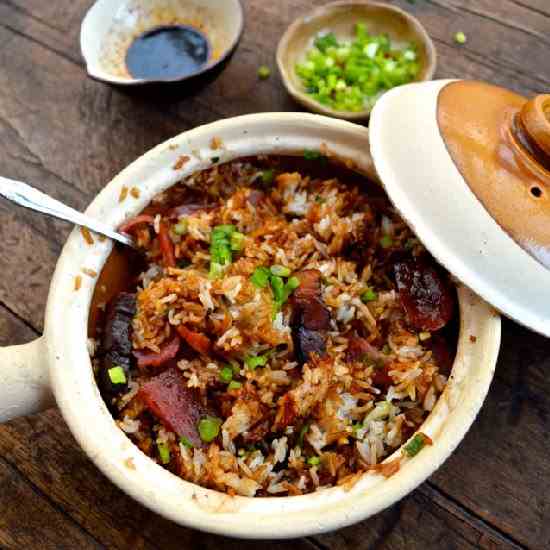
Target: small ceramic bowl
pixel 341 18
pixel 58 363
pixel 110 27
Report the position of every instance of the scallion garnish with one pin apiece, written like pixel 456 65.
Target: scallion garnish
pixel 264 72
pixel 268 176
pixel 313 460
pixel 416 444
pixel 226 374
pixel 164 452
pixel 351 75
pixel 209 428
pixel 280 271
pixel 186 442
pixel 260 277
pixel 234 385
pixel 221 247
pixel 253 361
pixel 460 38
pixel 293 283
pixel 278 288
pixel 312 155
pixel 369 296
pixel 237 240
pixel 117 375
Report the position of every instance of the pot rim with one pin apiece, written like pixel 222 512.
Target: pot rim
pixel 185 503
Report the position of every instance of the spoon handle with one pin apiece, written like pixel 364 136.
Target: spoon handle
pixel 24 195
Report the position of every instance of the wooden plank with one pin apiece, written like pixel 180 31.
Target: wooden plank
pixel 28 520
pixel 45 452
pixel 513 57
pixel 14 331
pixel 501 470
pixel 25 277
pixel 424 520
pixel 69 135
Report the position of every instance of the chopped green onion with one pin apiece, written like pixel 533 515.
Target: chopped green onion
pixel 221 255
pixel 117 375
pixel 351 75
pixel 253 361
pixel 241 452
pixel 278 287
pixel 313 460
pixel 216 270
pixel 186 442
pixel 416 444
pixel 215 160
pixel 164 452
pixel 209 428
pixel 280 271
pixel 234 385
pixel 260 277
pixel 264 72
pixel 312 155
pixel 226 374
pixel 181 227
pixel 460 38
pixel 369 296
pixel 224 229
pixel 268 176
pixel 293 283
pixel 386 241
pixel 237 241
pixel 325 41
pixel 303 432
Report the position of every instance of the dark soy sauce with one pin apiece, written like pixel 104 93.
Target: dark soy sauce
pixel 167 53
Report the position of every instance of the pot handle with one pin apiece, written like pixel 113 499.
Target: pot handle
pixel 24 380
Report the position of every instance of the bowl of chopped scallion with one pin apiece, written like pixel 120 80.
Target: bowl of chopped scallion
pixel 339 59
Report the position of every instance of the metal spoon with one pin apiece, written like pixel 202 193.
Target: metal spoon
pixel 24 195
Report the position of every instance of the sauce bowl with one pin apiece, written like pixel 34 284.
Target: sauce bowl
pixel 111 26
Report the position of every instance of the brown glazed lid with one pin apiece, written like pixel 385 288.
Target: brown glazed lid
pixel 467 164
pixel 500 142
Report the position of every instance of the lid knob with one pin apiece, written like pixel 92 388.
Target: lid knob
pixel 534 124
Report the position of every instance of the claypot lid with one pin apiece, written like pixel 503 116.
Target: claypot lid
pixel 468 166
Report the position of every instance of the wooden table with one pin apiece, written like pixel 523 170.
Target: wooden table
pixel 70 135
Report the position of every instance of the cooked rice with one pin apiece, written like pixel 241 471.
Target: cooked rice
pixel 345 416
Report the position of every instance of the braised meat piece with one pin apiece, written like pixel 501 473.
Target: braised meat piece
pixel 167 353
pixel 310 318
pixel 428 301
pixel 176 406
pixel 117 342
pixel 306 342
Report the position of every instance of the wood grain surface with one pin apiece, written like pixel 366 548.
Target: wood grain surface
pixel 69 135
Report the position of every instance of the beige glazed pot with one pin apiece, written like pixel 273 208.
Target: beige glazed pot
pixel 58 363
